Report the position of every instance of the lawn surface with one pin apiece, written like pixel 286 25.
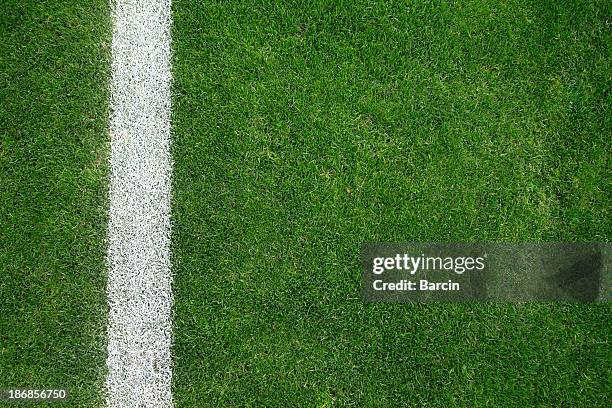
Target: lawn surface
pixel 302 129
pixel 53 201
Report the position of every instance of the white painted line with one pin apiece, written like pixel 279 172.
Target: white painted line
pixel 139 282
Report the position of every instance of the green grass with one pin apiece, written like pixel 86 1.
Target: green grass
pixel 53 153
pixel 302 129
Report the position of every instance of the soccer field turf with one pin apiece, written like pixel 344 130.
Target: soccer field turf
pixel 299 131
pixel 53 202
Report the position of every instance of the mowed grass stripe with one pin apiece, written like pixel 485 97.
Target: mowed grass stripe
pixel 54 68
pixel 139 281
pixel 302 129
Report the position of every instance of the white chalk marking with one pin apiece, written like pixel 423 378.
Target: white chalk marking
pixel 139 282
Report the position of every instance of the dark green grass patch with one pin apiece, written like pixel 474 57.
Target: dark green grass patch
pixel 302 129
pixel 53 144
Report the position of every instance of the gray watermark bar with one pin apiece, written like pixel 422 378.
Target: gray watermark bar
pixel 426 272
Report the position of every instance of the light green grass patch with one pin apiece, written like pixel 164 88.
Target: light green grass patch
pixel 302 129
